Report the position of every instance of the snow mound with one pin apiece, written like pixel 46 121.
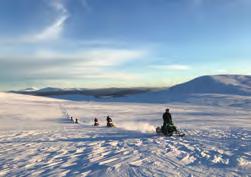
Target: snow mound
pixel 30 89
pixel 50 89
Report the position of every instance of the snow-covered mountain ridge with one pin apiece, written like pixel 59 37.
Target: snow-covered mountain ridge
pixel 221 84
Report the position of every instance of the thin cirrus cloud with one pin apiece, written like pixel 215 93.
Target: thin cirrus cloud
pixel 92 57
pixel 86 64
pixel 51 32
pixel 172 67
pixel 54 30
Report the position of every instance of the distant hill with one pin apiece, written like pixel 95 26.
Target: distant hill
pixel 97 93
pixel 29 89
pixel 191 91
pixel 221 84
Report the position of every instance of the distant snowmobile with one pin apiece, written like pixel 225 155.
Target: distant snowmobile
pixel 96 123
pixel 76 121
pixel 109 122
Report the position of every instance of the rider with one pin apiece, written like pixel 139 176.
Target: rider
pixel 96 122
pixel 168 127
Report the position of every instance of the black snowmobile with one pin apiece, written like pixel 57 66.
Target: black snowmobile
pixel 168 128
pixel 109 122
pixel 96 123
pixel 76 121
pixel 169 132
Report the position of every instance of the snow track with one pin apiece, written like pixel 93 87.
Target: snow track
pixel 116 152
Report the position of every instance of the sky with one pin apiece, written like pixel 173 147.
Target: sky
pixel 121 43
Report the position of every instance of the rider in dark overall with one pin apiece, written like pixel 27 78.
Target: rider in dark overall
pixel 168 127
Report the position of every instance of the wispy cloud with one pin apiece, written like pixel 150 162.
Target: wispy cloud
pixel 83 64
pixel 113 75
pixel 51 32
pixel 109 57
pixel 173 67
pixel 54 30
pixel 92 56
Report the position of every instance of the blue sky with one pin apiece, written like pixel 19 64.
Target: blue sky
pixel 121 43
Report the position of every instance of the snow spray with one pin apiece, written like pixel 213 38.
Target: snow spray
pixel 137 126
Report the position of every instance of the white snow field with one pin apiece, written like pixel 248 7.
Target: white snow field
pixel 37 138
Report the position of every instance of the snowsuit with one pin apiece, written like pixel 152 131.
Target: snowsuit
pixel 168 127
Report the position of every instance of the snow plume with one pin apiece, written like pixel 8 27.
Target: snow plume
pixel 137 126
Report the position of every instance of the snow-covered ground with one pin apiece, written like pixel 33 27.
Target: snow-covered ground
pixel 38 139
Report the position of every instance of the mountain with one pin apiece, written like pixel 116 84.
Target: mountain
pixel 209 86
pixel 220 84
pixel 30 89
pixel 233 89
pixel 82 92
pixel 49 89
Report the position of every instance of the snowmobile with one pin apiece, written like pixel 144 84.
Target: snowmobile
pixel 110 124
pixel 96 123
pixel 76 121
pixel 159 131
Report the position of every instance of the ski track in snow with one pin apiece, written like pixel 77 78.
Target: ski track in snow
pixel 62 148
